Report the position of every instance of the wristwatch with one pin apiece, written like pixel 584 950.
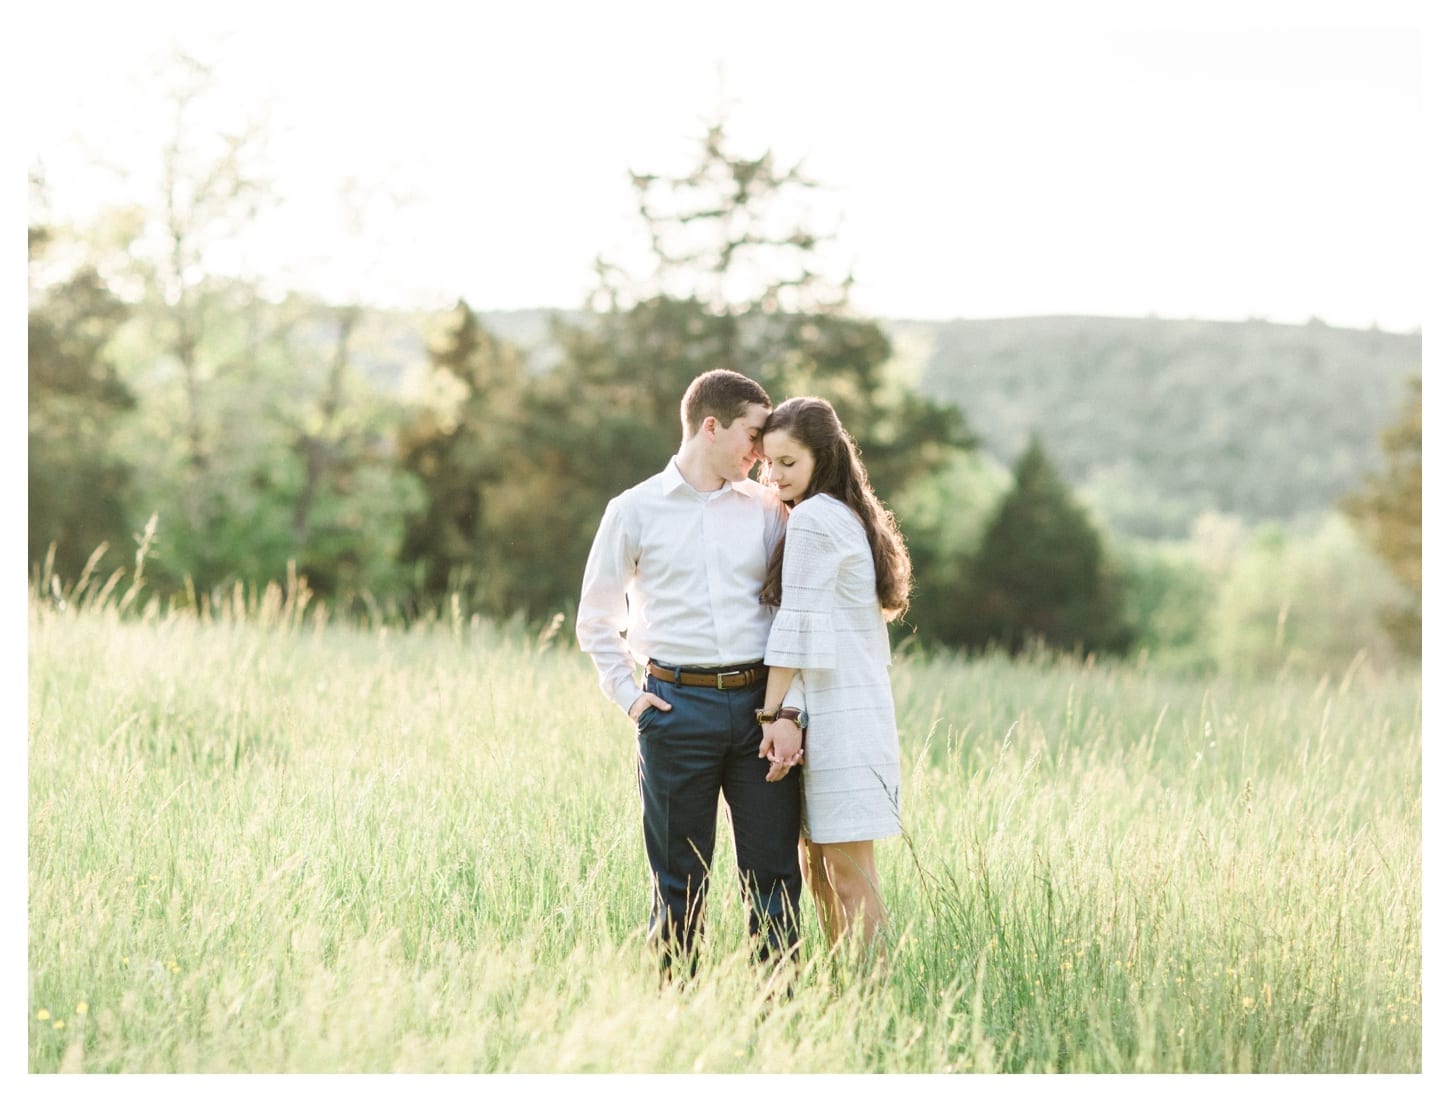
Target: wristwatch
pixel 795 715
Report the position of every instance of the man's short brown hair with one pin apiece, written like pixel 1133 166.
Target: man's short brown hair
pixel 722 394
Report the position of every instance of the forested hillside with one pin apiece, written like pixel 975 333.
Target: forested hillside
pixel 1158 420
pixel 1153 420
pixel 220 433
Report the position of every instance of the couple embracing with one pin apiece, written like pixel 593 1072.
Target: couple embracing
pixel 758 611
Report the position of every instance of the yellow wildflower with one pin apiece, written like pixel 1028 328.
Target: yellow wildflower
pixel 43 1015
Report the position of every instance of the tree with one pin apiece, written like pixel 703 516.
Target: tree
pixel 1269 610
pixel 78 484
pixel 336 430
pixel 944 517
pixel 462 448
pixel 255 438
pixel 740 279
pixel 1388 513
pixel 737 281
pixel 199 347
pixel 209 193
pixel 1040 573
pixel 1168 599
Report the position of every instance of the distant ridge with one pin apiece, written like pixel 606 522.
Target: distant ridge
pixel 1161 419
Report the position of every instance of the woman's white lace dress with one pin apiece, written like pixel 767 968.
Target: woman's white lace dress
pixel 830 626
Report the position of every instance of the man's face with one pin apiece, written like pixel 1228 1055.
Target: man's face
pixel 737 446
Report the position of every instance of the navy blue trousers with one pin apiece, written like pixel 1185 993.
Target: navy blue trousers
pixel 690 756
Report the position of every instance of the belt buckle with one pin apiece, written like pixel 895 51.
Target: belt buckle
pixel 720 679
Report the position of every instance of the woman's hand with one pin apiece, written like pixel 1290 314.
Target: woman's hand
pixel 781 745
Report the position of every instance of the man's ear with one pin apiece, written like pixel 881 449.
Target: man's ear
pixel 708 427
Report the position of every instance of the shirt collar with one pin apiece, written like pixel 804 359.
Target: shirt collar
pixel 674 479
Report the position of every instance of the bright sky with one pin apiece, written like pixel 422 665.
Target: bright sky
pixel 1208 167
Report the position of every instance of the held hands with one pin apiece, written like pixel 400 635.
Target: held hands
pixel 781 744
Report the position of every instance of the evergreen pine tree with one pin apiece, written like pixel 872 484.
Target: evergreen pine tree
pixel 1040 573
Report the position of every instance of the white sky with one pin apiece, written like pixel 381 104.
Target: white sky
pixel 1205 167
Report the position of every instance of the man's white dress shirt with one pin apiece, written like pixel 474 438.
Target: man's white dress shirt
pixel 675 575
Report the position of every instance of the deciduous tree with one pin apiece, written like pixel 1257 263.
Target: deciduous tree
pixel 1388 512
pixel 462 447
pixel 78 482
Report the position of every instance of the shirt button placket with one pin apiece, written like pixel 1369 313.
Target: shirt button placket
pixel 713 544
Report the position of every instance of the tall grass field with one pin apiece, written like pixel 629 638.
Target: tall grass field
pixel 261 840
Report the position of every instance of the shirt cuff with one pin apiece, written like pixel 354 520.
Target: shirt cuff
pixel 626 692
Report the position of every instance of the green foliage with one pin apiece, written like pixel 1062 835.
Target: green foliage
pixel 463 447
pixel 299 466
pixel 1160 419
pixel 251 442
pixel 1309 602
pixel 521 465
pixel 943 517
pixel 1168 598
pixel 1388 512
pixel 78 483
pixel 1040 573
pixel 278 435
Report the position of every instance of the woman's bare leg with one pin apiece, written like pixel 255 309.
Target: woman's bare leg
pixel 828 907
pixel 847 890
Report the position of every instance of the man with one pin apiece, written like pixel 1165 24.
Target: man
pixel 673 583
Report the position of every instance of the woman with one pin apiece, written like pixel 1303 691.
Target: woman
pixel 840 574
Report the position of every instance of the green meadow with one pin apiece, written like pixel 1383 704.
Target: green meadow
pixel 263 840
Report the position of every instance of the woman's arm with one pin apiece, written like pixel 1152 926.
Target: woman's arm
pixel 776 686
pixel 782 739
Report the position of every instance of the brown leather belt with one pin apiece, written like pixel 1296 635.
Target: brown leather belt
pixel 726 679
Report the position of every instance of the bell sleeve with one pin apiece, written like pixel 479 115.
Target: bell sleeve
pixel 803 634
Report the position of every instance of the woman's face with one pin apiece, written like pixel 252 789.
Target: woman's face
pixel 790 465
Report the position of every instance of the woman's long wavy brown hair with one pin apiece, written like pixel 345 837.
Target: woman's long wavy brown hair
pixel 813 423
